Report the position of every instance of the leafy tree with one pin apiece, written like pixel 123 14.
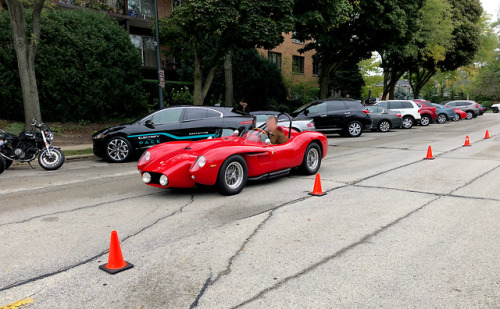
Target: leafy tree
pixel 209 30
pixel 438 50
pixel 25 41
pixel 348 80
pixel 87 69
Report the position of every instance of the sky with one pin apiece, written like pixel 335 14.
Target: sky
pixel 491 7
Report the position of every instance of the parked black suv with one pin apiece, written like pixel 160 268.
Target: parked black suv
pixel 347 117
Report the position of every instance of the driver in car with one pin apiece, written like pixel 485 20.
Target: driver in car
pixel 275 136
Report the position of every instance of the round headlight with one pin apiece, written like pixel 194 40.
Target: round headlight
pixel 146 178
pixel 201 161
pixel 163 180
pixel 147 156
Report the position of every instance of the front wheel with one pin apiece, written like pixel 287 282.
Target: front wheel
pixel 354 129
pixel 2 165
pixel 407 122
pixel 312 159
pixel 233 175
pixel 457 117
pixel 470 115
pixel 51 160
pixel 426 120
pixel 118 149
pixel 441 118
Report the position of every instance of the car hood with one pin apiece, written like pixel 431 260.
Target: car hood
pixel 110 130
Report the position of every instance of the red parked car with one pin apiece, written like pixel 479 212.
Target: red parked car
pixel 229 162
pixel 460 114
pixel 427 111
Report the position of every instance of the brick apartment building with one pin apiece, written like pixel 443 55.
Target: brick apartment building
pixel 136 16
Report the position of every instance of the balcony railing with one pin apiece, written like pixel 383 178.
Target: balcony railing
pixel 133 8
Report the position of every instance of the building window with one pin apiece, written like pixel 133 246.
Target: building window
pixel 141 8
pixel 146 46
pixel 294 40
pixel 274 58
pixel 176 3
pixel 316 68
pixel 298 64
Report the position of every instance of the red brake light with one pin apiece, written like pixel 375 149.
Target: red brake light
pixel 247 122
pixel 477 105
pixel 419 110
pixel 310 124
pixel 366 111
pixel 399 115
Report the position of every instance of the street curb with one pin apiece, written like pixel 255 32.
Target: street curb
pixel 80 157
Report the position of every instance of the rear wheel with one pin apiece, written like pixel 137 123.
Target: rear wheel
pixel 118 149
pixel 495 109
pixel 426 120
pixel 470 115
pixel 407 122
pixel 354 129
pixel 384 126
pixel 2 165
pixel 441 118
pixel 233 175
pixel 312 159
pixel 457 117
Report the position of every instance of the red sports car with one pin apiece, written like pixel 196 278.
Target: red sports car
pixel 460 114
pixel 229 162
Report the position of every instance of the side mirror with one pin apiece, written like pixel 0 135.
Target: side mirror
pixel 268 141
pixel 149 124
pixel 33 121
pixel 306 112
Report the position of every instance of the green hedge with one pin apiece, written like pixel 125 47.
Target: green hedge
pixel 87 69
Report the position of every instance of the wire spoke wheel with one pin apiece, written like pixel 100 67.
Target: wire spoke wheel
pixel 234 175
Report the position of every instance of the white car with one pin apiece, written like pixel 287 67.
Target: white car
pixel 409 111
pixel 495 107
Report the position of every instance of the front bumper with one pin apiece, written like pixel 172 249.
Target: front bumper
pixel 99 148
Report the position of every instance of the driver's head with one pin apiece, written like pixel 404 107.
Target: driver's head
pixel 272 123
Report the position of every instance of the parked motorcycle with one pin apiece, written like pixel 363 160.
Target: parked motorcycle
pixel 29 144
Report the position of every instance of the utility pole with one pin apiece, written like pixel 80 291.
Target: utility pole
pixel 161 73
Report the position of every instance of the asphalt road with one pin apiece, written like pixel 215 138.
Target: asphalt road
pixel 394 231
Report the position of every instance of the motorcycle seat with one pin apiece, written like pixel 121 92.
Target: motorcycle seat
pixel 8 136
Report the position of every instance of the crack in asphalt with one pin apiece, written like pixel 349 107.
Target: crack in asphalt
pixel 78 208
pixel 475 178
pixel 64 269
pixel 338 253
pixel 202 291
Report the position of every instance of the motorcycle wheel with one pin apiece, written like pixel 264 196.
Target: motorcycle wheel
pixel 51 161
pixel 2 164
pixel 8 163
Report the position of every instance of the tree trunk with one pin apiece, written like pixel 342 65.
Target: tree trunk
pixel 198 81
pixel 26 45
pixel 324 79
pixel 228 74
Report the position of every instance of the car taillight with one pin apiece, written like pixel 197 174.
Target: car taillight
pixel 310 124
pixel 434 109
pixel 366 111
pixel 399 115
pixel 419 110
pixel 247 122
pixel 477 105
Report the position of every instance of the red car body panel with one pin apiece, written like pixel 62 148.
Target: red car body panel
pixel 462 114
pixel 427 109
pixel 177 160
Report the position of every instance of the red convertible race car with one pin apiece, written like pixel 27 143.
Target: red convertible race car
pixel 229 162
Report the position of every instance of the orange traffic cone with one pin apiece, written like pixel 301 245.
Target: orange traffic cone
pixel 429 154
pixel 317 187
pixel 487 135
pixel 467 142
pixel 115 259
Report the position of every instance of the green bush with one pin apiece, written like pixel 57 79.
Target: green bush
pixel 87 69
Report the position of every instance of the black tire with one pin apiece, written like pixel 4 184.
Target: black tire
pixel 442 118
pixel 312 159
pixel 52 161
pixel 237 166
pixel 470 115
pixel 384 126
pixel 457 117
pixel 408 122
pixel 354 129
pixel 2 165
pixel 8 163
pixel 426 120
pixel 118 149
pixel 495 110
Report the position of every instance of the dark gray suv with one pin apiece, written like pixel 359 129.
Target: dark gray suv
pixel 470 107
